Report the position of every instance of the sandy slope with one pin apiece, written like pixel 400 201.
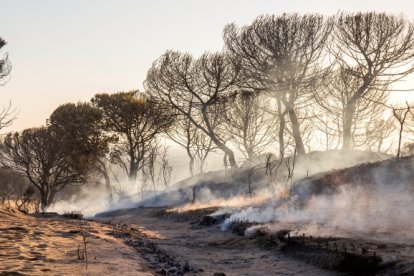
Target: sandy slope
pixel 49 246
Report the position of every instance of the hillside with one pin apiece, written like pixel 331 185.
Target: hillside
pixel 235 182
pixel 395 174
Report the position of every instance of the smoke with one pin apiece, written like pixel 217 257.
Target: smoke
pixel 91 201
pixel 227 204
pixel 82 205
pixel 376 201
pixel 379 211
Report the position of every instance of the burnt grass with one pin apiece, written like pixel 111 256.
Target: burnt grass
pixel 233 182
pixel 394 172
pixel 338 254
pixel 331 253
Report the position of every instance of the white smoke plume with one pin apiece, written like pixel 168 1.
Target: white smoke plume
pixel 373 211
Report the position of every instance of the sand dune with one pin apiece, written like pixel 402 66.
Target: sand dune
pixel 49 246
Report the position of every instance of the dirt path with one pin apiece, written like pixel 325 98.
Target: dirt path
pixel 209 250
pixel 49 246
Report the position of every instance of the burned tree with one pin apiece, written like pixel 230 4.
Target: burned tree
pixel 400 114
pixel 11 185
pixel 195 142
pixel 7 113
pixel 149 167
pixel 38 155
pixel 193 87
pixel 136 119
pixel 378 133
pixel 157 169
pixel 284 57
pixel 249 123
pixel 80 130
pixel 377 50
pixel 165 168
pixel 368 125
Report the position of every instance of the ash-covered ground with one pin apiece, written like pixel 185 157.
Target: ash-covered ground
pixel 352 220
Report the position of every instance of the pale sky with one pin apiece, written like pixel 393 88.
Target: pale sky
pixel 67 51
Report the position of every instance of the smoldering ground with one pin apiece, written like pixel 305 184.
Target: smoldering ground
pixel 382 204
pixel 371 200
pixel 219 188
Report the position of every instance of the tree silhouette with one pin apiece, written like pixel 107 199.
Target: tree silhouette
pixel 79 127
pixel 284 57
pixel 377 50
pixel 38 154
pixel 137 120
pixel 194 87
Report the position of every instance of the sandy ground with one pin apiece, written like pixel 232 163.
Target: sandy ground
pixel 49 246
pixel 209 250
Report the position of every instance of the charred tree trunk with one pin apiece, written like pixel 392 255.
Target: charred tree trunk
pixel 43 201
pixel 187 149
pixel 282 125
pixel 247 146
pixel 191 163
pixel 46 197
pixel 203 161
pixel 227 151
pixel 401 115
pixel 399 141
pixel 296 132
pixel 104 172
pixel 133 166
pixel 297 136
pixel 108 185
pixel 250 154
pixel 133 171
pixel 348 122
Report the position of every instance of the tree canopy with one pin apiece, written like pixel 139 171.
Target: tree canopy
pixel 79 127
pixel 137 120
pixel 38 155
